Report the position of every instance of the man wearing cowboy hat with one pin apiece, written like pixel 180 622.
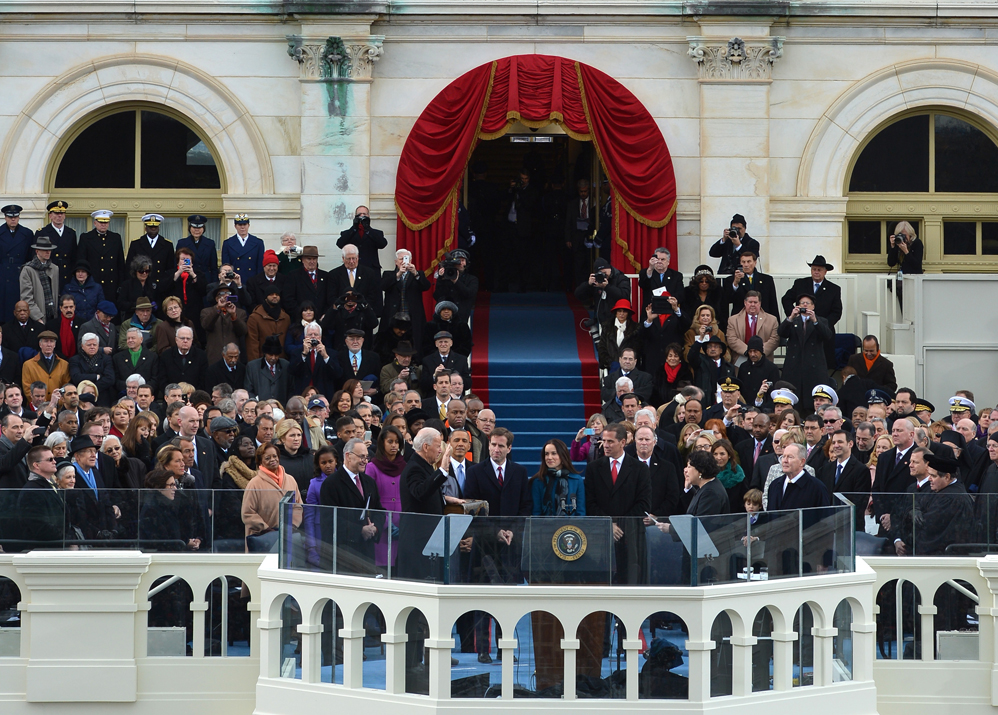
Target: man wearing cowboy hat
pixel 15 247
pixel 39 281
pixel 401 368
pixel 308 283
pixel 101 250
pixel 158 249
pixel 62 237
pixel 827 298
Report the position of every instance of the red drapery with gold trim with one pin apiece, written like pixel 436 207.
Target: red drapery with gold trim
pixel 536 90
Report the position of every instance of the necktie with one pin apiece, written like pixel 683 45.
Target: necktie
pixel 758 449
pixel 460 476
pixel 355 365
pixel 838 473
pixel 613 470
pixel 897 459
pixel 816 287
pixel 750 279
pixel 313 279
pixel 312 359
pixel 500 476
pixel 356 480
pixel 751 326
pixel 582 209
pixel 443 412
pixel 351 278
pixel 273 370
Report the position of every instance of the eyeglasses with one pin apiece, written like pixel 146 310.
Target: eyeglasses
pixel 50 459
pixel 142 270
pixel 171 485
pixel 362 458
pixel 486 419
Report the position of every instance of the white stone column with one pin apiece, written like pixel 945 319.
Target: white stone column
pixel 337 69
pixel 270 647
pixel 93 596
pixel 928 632
pixel 353 657
pixel 507 646
pixel 570 648
pixel 699 654
pixel 863 644
pixel 632 648
pixel 197 644
pixel 394 661
pixel 741 664
pixel 439 650
pixel 783 659
pixel 734 64
pixel 823 654
pixel 311 652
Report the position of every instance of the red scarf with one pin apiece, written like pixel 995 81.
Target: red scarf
pixel 671 373
pixel 183 279
pixel 66 339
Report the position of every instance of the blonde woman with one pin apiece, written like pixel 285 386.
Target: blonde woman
pixel 904 250
pixel 704 325
pixel 883 444
pixel 586 446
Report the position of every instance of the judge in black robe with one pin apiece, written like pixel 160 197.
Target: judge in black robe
pixel 944 518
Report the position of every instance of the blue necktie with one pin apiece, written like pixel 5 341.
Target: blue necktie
pixel 838 473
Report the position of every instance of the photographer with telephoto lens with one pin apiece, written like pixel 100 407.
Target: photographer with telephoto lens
pixel 904 250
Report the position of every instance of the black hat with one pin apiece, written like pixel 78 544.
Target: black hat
pixel 271 346
pixel 442 334
pixel 877 396
pixel 401 317
pixel 954 438
pixel 944 465
pixel 57 206
pixel 404 348
pixel 197 221
pixel 88 397
pixel 355 332
pixel 715 338
pixel 271 288
pixel 219 289
pixel 738 218
pixel 63 463
pixel 755 343
pixel 11 210
pixel 600 263
pixel 81 443
pixel 459 253
pixel 820 262
pixel 415 415
pixel 82 265
pixel 42 243
pixel 805 294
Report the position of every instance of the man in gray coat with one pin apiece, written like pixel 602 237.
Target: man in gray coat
pixel 268 377
pixel 39 281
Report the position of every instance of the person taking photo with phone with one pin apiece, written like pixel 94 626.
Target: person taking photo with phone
pixel 806 335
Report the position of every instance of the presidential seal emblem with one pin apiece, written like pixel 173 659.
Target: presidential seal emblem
pixel 569 543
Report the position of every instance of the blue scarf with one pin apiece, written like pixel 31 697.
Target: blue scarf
pixel 88 477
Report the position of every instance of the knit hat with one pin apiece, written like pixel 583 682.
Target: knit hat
pixel 270 256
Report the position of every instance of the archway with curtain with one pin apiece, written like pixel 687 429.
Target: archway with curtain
pixel 536 90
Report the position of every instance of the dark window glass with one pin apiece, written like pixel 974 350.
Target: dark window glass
pixel 897 159
pixel 989 239
pixel 173 157
pixel 864 237
pixel 960 238
pixel 966 159
pixel 102 157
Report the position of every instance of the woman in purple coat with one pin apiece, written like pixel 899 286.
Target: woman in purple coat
pixel 386 470
pixel 326 463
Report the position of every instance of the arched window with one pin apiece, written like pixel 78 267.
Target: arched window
pixel 935 169
pixel 138 159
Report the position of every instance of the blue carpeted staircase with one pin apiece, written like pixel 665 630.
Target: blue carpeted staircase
pixel 536 383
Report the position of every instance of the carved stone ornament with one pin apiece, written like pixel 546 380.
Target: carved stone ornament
pixel 335 59
pixel 736 60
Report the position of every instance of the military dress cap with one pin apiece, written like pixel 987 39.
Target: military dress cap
pixel 152 219
pixel 404 348
pixel 43 243
pixel 311 252
pixel 102 215
pixel 47 334
pixel 876 396
pixel 11 210
pixel 958 403
pixel 58 207
pixel 730 384
pixel 223 423
pixel 784 397
pixel 445 305
pixel 197 221
pixel 143 303
pixel 107 308
pixel 820 262
pixel 827 392
pixel 443 334
pixel 241 218
pixel 81 443
pixel 923 405
pixel 355 332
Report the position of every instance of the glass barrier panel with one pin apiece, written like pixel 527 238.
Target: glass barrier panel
pixel 580 550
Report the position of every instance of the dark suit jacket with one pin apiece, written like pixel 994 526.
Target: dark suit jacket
pixel 855 480
pixel 746 453
pixel 816 460
pixel 454 361
pixel 806 362
pixel 147 367
pixel 413 286
pixel 367 282
pixel 370 364
pixel 671 280
pixel 630 496
pixel 257 285
pixel 325 377
pixel 640 379
pixel 882 372
pixel 890 478
pixel 368 244
pixel 15 337
pixel 356 554
pixel 666 495
pixel 511 499
pixel 761 282
pixel 163 259
pixel 172 368
pixel 710 500
pixel 218 372
pixel 10 367
pixel 299 288
pixel 827 301
pixel 806 492
pixel 265 386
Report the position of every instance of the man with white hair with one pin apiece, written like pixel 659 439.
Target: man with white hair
pixel 421 487
pixel 665 450
pixel 612 408
pixel 796 489
pixel 404 286
pixel 186 362
pixel 132 385
pixel 92 364
pixel 312 365
pixel 135 359
pixel 353 276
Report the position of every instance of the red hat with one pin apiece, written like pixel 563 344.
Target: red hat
pixel 623 304
pixel 269 256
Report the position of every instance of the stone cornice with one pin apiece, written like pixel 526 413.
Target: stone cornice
pixel 735 60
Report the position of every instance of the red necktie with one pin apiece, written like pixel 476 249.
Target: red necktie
pixel 613 470
pixel 311 357
pixel 500 476
pixel 751 324
pixel 758 448
pixel 273 370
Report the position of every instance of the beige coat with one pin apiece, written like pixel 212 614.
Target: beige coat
pixel 261 503
pixel 33 293
pixel 765 327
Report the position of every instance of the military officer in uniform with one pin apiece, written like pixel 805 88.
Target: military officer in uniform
pixel 205 251
pixel 15 251
pixel 63 238
pixel 243 251
pixel 102 250
pixel 158 249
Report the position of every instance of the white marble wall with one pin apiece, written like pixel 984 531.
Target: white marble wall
pixel 777 152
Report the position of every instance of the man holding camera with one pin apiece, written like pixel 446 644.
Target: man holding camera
pixel 352 275
pixel 456 285
pixel 403 288
pixel 367 240
pixel 747 278
pixel 204 250
pixel 658 275
pixel 604 287
pixel 904 250
pixel 806 334
pixel 732 244
pixel 224 322
pixel 313 365
pixel 350 312
pixel 227 278
pixel 827 297
pixel 308 283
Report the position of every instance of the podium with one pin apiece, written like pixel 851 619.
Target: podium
pixel 568 550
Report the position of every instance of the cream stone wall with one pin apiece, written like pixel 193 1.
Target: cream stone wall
pixel 773 141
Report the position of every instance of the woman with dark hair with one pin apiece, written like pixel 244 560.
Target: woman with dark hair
pixel 162 523
pixel 137 440
pixel 165 333
pixel 262 497
pixel 673 377
pixel 355 389
pixel 339 405
pixel 705 290
pixel 296 332
pixel 240 468
pixel 326 462
pixel 730 474
pixel 557 489
pixel 140 283
pixel 386 471
pixel 701 472
pixel 190 288
pixel 789 418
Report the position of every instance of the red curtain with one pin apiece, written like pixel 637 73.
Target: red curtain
pixel 536 90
